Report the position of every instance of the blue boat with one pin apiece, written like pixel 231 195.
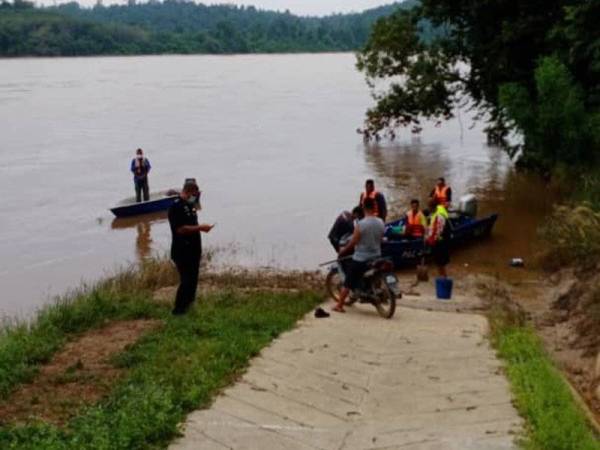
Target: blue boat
pixel 160 201
pixel 408 252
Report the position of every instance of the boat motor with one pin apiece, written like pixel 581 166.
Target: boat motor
pixel 467 205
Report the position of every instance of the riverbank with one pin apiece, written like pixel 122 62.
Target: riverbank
pixel 561 311
pixel 556 414
pixel 137 386
pixel 109 367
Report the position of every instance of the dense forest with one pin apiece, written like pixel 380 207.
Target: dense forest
pixel 175 26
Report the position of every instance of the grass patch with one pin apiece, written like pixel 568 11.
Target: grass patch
pixel 171 371
pixel 23 347
pixel 123 296
pixel 554 421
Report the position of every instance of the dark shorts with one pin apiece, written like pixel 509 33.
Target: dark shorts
pixel 354 272
pixel 441 253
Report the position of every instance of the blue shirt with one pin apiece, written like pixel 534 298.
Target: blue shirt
pixel 142 172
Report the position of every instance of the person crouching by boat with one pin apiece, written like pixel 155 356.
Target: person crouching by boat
pixel 416 223
pixel 342 229
pixel 341 233
pixel 438 236
pixel 442 193
pixel 186 244
pixel 140 167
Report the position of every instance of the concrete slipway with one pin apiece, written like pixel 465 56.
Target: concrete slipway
pixel 423 380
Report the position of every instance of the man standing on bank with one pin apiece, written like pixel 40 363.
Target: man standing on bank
pixel 140 167
pixel 186 246
pixel 438 236
pixel 377 197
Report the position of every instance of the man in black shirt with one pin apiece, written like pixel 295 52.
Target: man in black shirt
pixel 186 246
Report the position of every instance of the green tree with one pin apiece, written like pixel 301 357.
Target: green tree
pixel 424 82
pixel 555 125
pixel 174 26
pixel 492 54
pixel 580 34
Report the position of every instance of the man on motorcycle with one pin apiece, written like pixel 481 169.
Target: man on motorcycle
pixel 366 244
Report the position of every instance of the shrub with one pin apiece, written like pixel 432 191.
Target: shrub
pixel 571 236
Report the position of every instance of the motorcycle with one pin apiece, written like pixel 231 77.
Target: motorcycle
pixel 380 286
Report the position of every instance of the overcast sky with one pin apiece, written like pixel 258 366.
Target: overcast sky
pixel 302 7
pixel 313 7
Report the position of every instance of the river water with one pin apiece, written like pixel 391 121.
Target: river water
pixel 271 138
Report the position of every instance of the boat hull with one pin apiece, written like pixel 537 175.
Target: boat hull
pixel 409 252
pixel 151 206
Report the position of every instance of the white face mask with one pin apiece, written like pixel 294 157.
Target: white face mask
pixel 192 200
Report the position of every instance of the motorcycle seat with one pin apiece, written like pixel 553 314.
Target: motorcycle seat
pixel 381 264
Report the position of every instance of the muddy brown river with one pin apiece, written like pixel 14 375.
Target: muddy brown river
pixel 270 138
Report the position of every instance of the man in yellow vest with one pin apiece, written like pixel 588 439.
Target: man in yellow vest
pixel 438 236
pixel 442 193
pixel 378 198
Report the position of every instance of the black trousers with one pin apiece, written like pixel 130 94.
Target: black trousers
pixel 441 253
pixel 141 186
pixel 189 269
pixel 354 273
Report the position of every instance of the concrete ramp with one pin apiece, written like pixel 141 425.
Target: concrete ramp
pixel 423 380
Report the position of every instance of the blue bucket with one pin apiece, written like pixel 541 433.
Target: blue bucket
pixel 443 288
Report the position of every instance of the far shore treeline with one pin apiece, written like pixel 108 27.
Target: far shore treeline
pixel 175 26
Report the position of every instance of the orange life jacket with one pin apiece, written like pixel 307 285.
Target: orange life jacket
pixel 416 224
pixel 372 195
pixel 441 195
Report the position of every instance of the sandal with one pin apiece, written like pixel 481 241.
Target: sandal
pixel 338 308
pixel 320 313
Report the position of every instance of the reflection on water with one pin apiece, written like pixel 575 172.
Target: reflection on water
pixel 144 241
pixel 410 170
pixel 143 227
pixel 522 202
pixel 406 171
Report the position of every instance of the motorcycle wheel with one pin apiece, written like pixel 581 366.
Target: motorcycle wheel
pixel 385 299
pixel 334 284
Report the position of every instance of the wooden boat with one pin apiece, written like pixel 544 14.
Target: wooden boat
pixel 408 252
pixel 159 201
